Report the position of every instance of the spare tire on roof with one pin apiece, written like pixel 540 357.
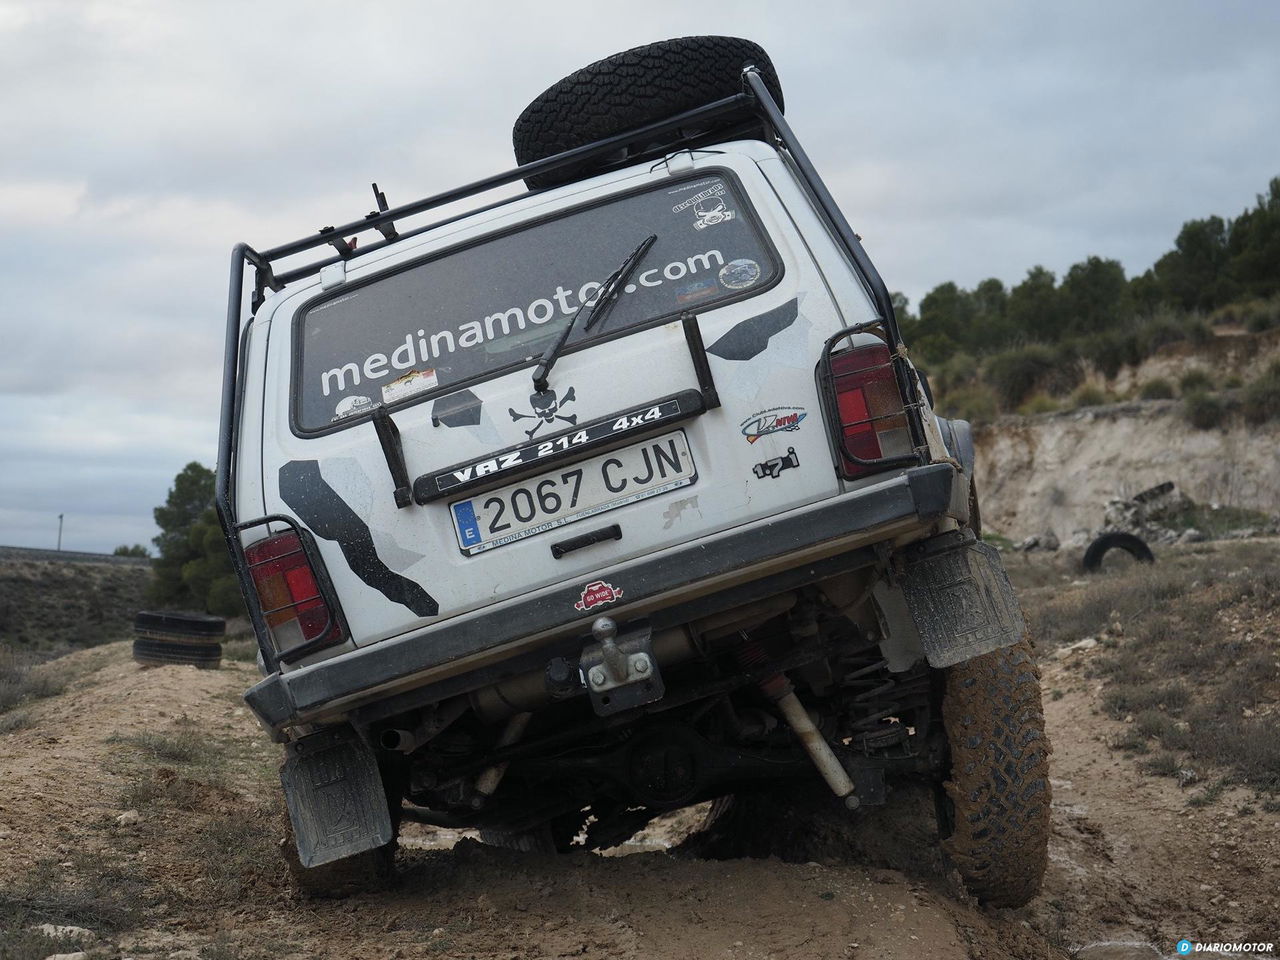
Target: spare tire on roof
pixel 178 637
pixel 634 88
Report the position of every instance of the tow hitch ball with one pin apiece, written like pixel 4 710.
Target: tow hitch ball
pixel 778 689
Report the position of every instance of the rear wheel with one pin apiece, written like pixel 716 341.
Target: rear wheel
pixel 554 836
pixel 631 89
pixel 994 813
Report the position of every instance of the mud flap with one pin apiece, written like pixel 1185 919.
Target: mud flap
pixel 960 599
pixel 335 796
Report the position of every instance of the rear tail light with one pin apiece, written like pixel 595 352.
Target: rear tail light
pixel 873 422
pixel 293 604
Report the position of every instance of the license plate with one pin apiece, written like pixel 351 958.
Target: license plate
pixel 573 492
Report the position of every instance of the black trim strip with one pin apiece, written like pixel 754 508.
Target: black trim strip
pixel 523 459
pixel 922 494
pixel 611 532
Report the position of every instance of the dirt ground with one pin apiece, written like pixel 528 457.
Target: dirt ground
pixel 138 804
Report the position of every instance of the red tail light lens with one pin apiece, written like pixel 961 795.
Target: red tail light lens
pixel 873 423
pixel 292 603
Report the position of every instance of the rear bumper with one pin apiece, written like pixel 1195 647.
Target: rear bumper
pixel 919 495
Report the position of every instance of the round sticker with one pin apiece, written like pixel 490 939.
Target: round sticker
pixel 739 274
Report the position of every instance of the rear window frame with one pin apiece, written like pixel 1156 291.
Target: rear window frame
pixel 748 213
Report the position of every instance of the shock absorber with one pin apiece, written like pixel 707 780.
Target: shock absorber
pixel 777 688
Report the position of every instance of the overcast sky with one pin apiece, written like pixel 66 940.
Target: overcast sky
pixel 141 140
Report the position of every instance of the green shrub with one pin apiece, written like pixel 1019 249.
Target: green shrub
pixel 1203 410
pixel 1087 395
pixel 1262 396
pixel 1110 350
pixel 1195 380
pixel 1038 403
pixel 1017 373
pixel 975 402
pixel 1157 389
pixel 1199 331
pixel 1260 315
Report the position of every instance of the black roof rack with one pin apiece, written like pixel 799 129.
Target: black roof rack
pixel 755 100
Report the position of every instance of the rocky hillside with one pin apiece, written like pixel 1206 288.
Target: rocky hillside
pixel 53 604
pixel 1057 471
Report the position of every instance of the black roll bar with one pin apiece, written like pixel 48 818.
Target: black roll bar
pixel 754 100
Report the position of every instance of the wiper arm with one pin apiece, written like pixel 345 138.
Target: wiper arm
pixel 596 313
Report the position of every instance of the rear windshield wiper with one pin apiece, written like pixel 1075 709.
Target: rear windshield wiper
pixel 596 313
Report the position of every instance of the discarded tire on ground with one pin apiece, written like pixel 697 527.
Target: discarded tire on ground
pixel 176 637
pixel 631 89
pixel 1136 547
pixel 995 811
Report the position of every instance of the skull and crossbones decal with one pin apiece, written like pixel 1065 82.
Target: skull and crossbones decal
pixel 546 408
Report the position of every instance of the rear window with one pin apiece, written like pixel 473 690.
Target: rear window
pixel 493 305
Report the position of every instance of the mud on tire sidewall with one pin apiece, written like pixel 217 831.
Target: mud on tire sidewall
pixel 999 787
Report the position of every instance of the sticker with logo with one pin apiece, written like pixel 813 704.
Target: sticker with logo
pixel 350 407
pixel 773 468
pixel 545 407
pixel 409 385
pixel 739 274
pixel 596 594
pixel 773 420
pixel 708 206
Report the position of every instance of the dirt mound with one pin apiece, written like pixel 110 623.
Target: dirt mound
pixel 141 805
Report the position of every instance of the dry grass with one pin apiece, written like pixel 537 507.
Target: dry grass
pixel 21 681
pixel 1186 657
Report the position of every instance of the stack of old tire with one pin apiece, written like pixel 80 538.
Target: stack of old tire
pixel 164 637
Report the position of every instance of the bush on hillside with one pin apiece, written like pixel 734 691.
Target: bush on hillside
pixel 1017 373
pixel 1038 403
pixel 974 402
pixel 1087 395
pixel 1262 396
pixel 1203 410
pixel 1157 389
pixel 1195 381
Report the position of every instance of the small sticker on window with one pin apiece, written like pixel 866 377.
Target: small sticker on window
pixel 350 406
pixel 410 385
pixel 739 274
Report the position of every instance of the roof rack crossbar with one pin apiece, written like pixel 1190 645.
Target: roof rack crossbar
pixel 545 165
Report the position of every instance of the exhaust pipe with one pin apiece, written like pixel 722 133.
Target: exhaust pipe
pixel 778 689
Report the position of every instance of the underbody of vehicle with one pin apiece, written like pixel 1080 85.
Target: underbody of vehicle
pixel 615 497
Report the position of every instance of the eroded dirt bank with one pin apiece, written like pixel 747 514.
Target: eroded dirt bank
pixel 1057 471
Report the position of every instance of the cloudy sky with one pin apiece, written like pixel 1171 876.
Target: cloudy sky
pixel 142 139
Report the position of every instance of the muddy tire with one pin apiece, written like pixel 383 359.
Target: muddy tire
pixel 365 872
pixel 631 89
pixel 554 836
pixel 996 806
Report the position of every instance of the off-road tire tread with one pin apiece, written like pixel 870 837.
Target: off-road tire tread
pixel 630 89
pixel 537 840
pixel 999 787
pixel 150 652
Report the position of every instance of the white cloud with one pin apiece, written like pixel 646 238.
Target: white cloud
pixel 144 138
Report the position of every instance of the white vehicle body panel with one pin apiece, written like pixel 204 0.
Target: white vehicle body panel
pixel 416 552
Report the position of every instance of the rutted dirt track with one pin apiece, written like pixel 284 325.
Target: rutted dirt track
pixel 1130 860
